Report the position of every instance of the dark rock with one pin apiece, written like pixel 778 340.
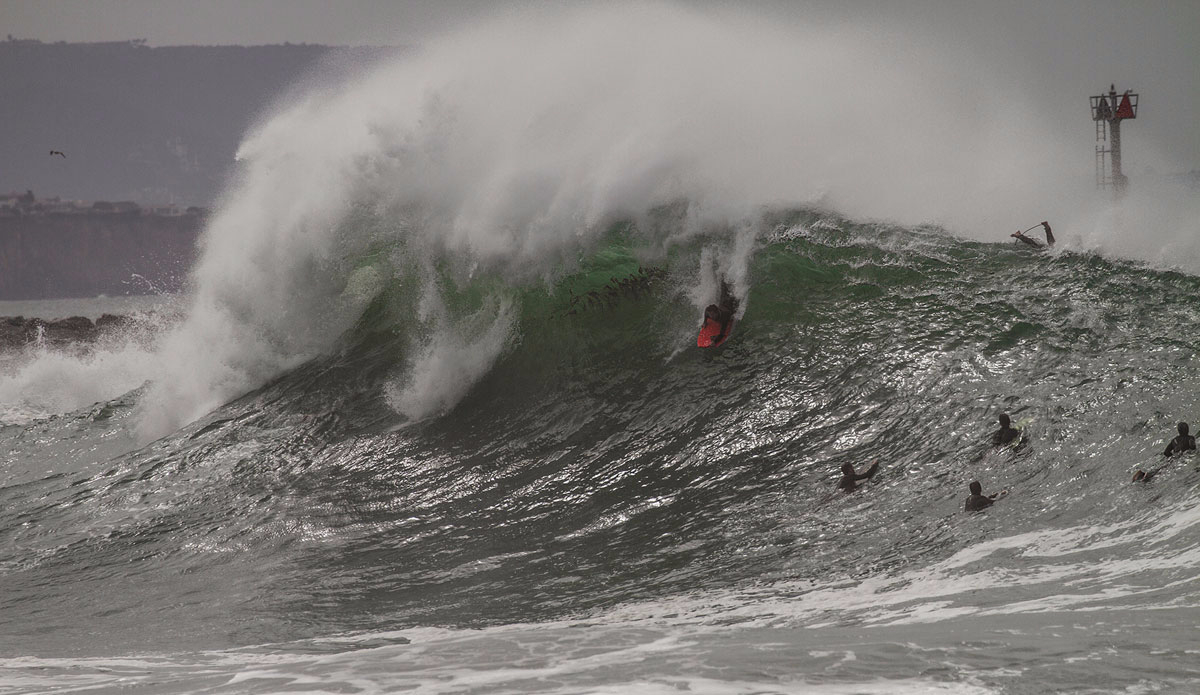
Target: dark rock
pixel 69 330
pixel 111 321
pixel 74 323
pixel 16 332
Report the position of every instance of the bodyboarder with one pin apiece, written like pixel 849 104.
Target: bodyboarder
pixel 718 319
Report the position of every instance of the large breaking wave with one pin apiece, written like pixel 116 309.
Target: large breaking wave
pixel 508 148
pixel 498 156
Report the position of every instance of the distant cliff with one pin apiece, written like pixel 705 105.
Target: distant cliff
pixel 152 125
pixel 83 255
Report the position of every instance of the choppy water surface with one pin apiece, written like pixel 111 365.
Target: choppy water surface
pixel 610 509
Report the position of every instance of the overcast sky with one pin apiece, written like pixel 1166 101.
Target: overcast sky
pixel 1063 50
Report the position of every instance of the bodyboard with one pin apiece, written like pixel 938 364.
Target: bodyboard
pixel 710 330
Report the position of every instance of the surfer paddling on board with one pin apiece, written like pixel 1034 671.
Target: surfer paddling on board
pixel 1020 236
pixel 849 481
pixel 1184 442
pixel 978 501
pixel 718 319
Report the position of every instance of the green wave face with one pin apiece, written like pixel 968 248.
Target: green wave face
pixel 911 307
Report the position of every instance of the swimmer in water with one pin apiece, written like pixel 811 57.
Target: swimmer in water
pixel 1007 433
pixel 849 481
pixel 978 501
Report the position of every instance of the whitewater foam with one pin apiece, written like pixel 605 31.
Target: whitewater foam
pixel 42 379
pixel 450 361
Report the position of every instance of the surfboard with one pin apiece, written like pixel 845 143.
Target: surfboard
pixel 1022 439
pixel 710 330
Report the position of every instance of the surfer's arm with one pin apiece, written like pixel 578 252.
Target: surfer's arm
pixel 1049 234
pixel 869 472
pixel 1140 476
pixel 1170 448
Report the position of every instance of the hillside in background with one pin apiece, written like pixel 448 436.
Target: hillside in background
pixel 153 125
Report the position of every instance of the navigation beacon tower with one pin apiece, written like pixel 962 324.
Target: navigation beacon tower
pixel 1108 112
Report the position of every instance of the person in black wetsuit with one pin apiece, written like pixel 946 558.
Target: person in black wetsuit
pixel 722 312
pixel 1184 442
pixel 978 500
pixel 1020 236
pixel 849 481
pixel 1007 433
pixel 715 313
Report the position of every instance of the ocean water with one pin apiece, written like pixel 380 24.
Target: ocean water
pixel 432 418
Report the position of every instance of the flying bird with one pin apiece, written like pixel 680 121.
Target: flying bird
pixel 56 152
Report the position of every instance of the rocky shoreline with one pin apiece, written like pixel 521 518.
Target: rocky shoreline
pixel 17 332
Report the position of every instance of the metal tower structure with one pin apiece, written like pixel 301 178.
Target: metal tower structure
pixel 1108 110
